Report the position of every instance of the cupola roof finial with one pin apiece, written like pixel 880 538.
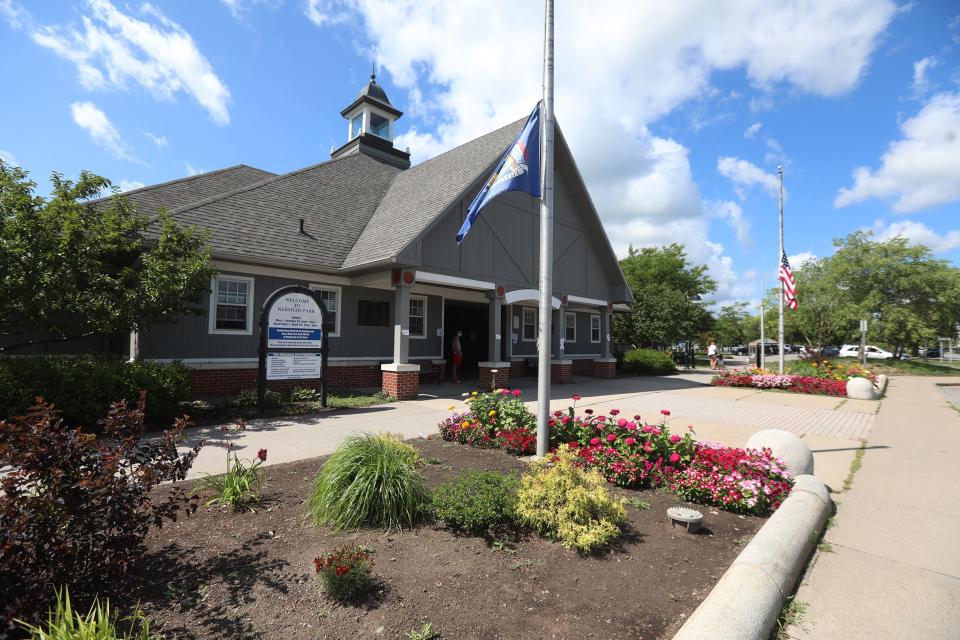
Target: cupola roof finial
pixel 373 71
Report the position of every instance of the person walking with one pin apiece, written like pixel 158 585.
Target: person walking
pixel 457 350
pixel 712 354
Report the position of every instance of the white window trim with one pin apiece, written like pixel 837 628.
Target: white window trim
pixel 523 334
pixel 567 314
pixel 599 328
pixel 213 306
pixel 412 335
pixel 318 286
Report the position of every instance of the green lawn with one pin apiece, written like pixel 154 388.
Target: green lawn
pixel 912 367
pixel 224 410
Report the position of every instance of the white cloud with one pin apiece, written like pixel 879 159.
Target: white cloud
pixel 14 13
pixel 469 70
pixel 240 8
pixel 129 185
pixel 797 260
pixel 191 170
pixel 114 49
pixel 9 158
pixel 752 130
pixel 920 170
pixel 732 214
pixel 921 84
pixel 917 233
pixel 159 140
pixel 745 174
pixel 95 122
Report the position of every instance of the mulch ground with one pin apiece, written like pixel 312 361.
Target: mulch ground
pixel 219 574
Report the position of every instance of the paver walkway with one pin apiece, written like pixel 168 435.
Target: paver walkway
pixel 894 569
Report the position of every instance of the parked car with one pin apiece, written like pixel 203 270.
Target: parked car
pixel 873 353
pixel 830 352
pixel 932 353
pixel 739 350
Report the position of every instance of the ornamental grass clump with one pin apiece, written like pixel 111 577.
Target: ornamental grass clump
pixel 369 481
pixel 566 503
pixel 477 502
pixel 63 623
pixel 345 574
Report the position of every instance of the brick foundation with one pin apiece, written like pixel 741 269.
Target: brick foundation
pixel 560 373
pixel 582 367
pixel 519 368
pixel 605 368
pixel 432 372
pixel 498 380
pixel 209 383
pixel 404 385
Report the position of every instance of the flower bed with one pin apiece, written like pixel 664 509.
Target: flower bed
pixel 759 379
pixel 630 452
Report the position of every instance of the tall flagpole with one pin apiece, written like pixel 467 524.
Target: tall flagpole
pixel 763 337
pixel 544 339
pixel 779 260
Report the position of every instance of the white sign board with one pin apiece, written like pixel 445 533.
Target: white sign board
pixel 295 323
pixel 863 326
pixel 293 366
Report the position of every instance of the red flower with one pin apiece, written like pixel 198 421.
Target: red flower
pixel 675 438
pixel 674 457
pixel 611 437
pixel 594 441
pixel 664 412
pixel 629 441
pixel 614 412
pixel 576 398
pixel 516 392
pixel 262 454
pixel 588 411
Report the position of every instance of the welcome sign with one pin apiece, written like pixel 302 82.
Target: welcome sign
pixel 295 322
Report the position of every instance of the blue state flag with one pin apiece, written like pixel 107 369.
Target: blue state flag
pixel 518 170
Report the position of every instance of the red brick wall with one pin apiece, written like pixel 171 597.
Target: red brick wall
pixel 518 368
pixel 583 367
pixel 489 380
pixel 560 373
pixel 604 369
pixel 431 373
pixel 227 382
pixel 404 385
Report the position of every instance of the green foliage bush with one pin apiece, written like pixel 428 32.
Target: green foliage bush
pixel 345 574
pixel 477 501
pixel 63 623
pixel 369 481
pixel 248 398
pixel 304 394
pixel 648 362
pixel 84 387
pixel 564 502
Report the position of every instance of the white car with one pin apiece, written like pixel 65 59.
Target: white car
pixel 873 353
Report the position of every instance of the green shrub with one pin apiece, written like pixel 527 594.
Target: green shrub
pixel 304 394
pixel 248 398
pixel 369 481
pixel 566 503
pixel 83 387
pixel 240 485
pixel 345 574
pixel 63 623
pixel 477 501
pixel 648 362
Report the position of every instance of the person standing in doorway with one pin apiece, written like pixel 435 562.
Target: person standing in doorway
pixel 457 350
pixel 712 354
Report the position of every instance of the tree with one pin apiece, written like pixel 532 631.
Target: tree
pixel 730 325
pixel 666 288
pixel 72 268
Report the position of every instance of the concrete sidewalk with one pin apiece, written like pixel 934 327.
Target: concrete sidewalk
pixel 894 569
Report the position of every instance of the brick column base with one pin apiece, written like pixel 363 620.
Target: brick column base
pixel 605 368
pixel 518 368
pixel 401 381
pixel 561 371
pixel 490 380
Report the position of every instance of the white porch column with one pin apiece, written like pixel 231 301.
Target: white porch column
pixel 401 325
pixel 606 330
pixel 508 332
pixel 494 330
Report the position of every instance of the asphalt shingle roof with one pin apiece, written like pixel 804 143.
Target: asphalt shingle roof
pixel 419 194
pixel 260 223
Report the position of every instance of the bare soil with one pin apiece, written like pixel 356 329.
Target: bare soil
pixel 220 574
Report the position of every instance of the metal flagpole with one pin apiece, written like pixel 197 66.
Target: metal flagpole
pixel 763 337
pixel 544 341
pixel 779 261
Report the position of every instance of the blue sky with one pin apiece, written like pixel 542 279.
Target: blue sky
pixel 677 115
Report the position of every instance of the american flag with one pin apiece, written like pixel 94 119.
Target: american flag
pixel 785 275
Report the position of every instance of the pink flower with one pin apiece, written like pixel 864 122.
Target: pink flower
pixel 622 422
pixel 647 446
pixel 664 412
pixel 674 457
pixel 674 438
pixel 516 393
pixel 630 441
pixel 594 441
pixel 262 454
pixel 576 398
pixel 632 426
pixel 611 437
pixel 602 418
pixel 614 412
pixel 505 391
pixel 647 428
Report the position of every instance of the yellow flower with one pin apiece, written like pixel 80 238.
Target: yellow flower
pixel 474 393
pixel 465 424
pixel 492 413
pixel 450 408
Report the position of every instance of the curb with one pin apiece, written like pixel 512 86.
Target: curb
pixel 745 603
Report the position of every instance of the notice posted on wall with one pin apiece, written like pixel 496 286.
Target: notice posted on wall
pixel 293 366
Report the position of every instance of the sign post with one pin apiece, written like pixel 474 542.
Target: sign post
pixel 293 340
pixel 863 343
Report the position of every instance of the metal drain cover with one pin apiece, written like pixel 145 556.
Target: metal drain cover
pixel 689 518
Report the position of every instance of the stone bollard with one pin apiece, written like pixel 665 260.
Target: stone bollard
pixel 862 389
pixel 796 455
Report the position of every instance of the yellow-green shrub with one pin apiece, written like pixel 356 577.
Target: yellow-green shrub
pixel 566 503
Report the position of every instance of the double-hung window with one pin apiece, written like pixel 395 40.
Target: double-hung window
pixel 529 321
pixel 418 317
pixel 595 328
pixel 569 326
pixel 331 300
pixel 231 305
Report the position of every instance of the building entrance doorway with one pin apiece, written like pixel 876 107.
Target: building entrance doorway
pixel 471 318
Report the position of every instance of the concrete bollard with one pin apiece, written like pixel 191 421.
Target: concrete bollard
pixel 745 603
pixel 796 454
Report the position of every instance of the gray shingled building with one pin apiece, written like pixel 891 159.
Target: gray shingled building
pixel 376 238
